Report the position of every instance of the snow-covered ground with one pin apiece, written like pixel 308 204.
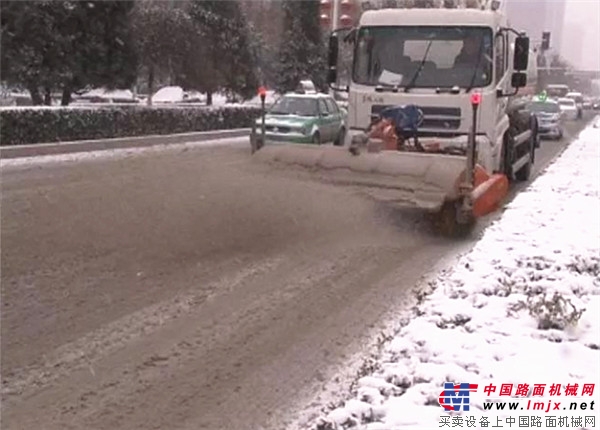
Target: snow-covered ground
pixel 120 153
pixel 171 96
pixel 522 307
pixel 107 95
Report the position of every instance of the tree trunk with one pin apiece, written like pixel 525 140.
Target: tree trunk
pixel 209 98
pixel 47 96
pixel 150 85
pixel 34 92
pixel 66 96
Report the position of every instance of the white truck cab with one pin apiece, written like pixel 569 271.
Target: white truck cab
pixel 435 59
pixel 431 100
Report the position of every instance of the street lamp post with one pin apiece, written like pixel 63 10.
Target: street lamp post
pixel 336 14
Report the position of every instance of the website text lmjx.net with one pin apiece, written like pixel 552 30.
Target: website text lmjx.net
pixel 545 406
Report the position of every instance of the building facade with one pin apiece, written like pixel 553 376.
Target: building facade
pixel 536 17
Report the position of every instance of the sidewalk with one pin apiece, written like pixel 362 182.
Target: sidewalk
pixel 521 308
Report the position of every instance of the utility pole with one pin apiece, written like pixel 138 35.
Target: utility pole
pixel 336 14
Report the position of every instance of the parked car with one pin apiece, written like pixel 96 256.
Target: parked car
pixel 568 108
pixel 578 99
pixel 548 114
pixel 303 118
pixel 174 95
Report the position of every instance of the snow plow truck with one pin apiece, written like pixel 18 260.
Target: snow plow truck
pixel 433 118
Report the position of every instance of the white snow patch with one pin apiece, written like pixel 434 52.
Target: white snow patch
pixel 55 107
pixel 108 95
pixel 119 153
pixel 477 327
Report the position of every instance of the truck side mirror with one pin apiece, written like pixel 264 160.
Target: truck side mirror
pixel 333 59
pixel 521 55
pixel 519 80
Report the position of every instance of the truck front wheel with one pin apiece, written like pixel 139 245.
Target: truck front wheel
pixel 525 172
pixel 508 148
pixel 511 155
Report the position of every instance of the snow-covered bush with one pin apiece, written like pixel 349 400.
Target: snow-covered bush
pixel 34 125
pixel 556 312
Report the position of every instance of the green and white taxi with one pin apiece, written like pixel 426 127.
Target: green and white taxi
pixel 303 118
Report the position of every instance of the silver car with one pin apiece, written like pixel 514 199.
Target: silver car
pixel 548 114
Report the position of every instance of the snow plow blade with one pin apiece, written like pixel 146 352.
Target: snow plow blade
pixel 409 179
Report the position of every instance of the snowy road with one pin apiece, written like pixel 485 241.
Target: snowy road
pixel 185 290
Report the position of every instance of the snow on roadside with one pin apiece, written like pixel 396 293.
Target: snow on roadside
pixel 82 105
pixel 105 154
pixel 489 319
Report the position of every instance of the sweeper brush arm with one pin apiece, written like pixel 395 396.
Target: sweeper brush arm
pixel 454 187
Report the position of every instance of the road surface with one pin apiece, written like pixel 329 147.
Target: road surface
pixel 187 290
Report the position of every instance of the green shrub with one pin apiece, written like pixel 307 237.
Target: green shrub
pixel 47 125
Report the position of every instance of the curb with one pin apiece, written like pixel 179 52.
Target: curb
pixel 19 151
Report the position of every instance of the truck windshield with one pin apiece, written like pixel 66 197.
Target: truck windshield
pixel 446 56
pixel 295 106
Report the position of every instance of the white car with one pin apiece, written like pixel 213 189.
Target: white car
pixel 568 108
pixel 578 99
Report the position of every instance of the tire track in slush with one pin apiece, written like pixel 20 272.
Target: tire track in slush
pixel 117 384
pixel 97 344
pixel 173 364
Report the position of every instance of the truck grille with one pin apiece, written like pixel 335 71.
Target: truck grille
pixel 435 118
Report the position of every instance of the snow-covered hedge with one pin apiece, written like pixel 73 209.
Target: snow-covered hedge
pixel 31 125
